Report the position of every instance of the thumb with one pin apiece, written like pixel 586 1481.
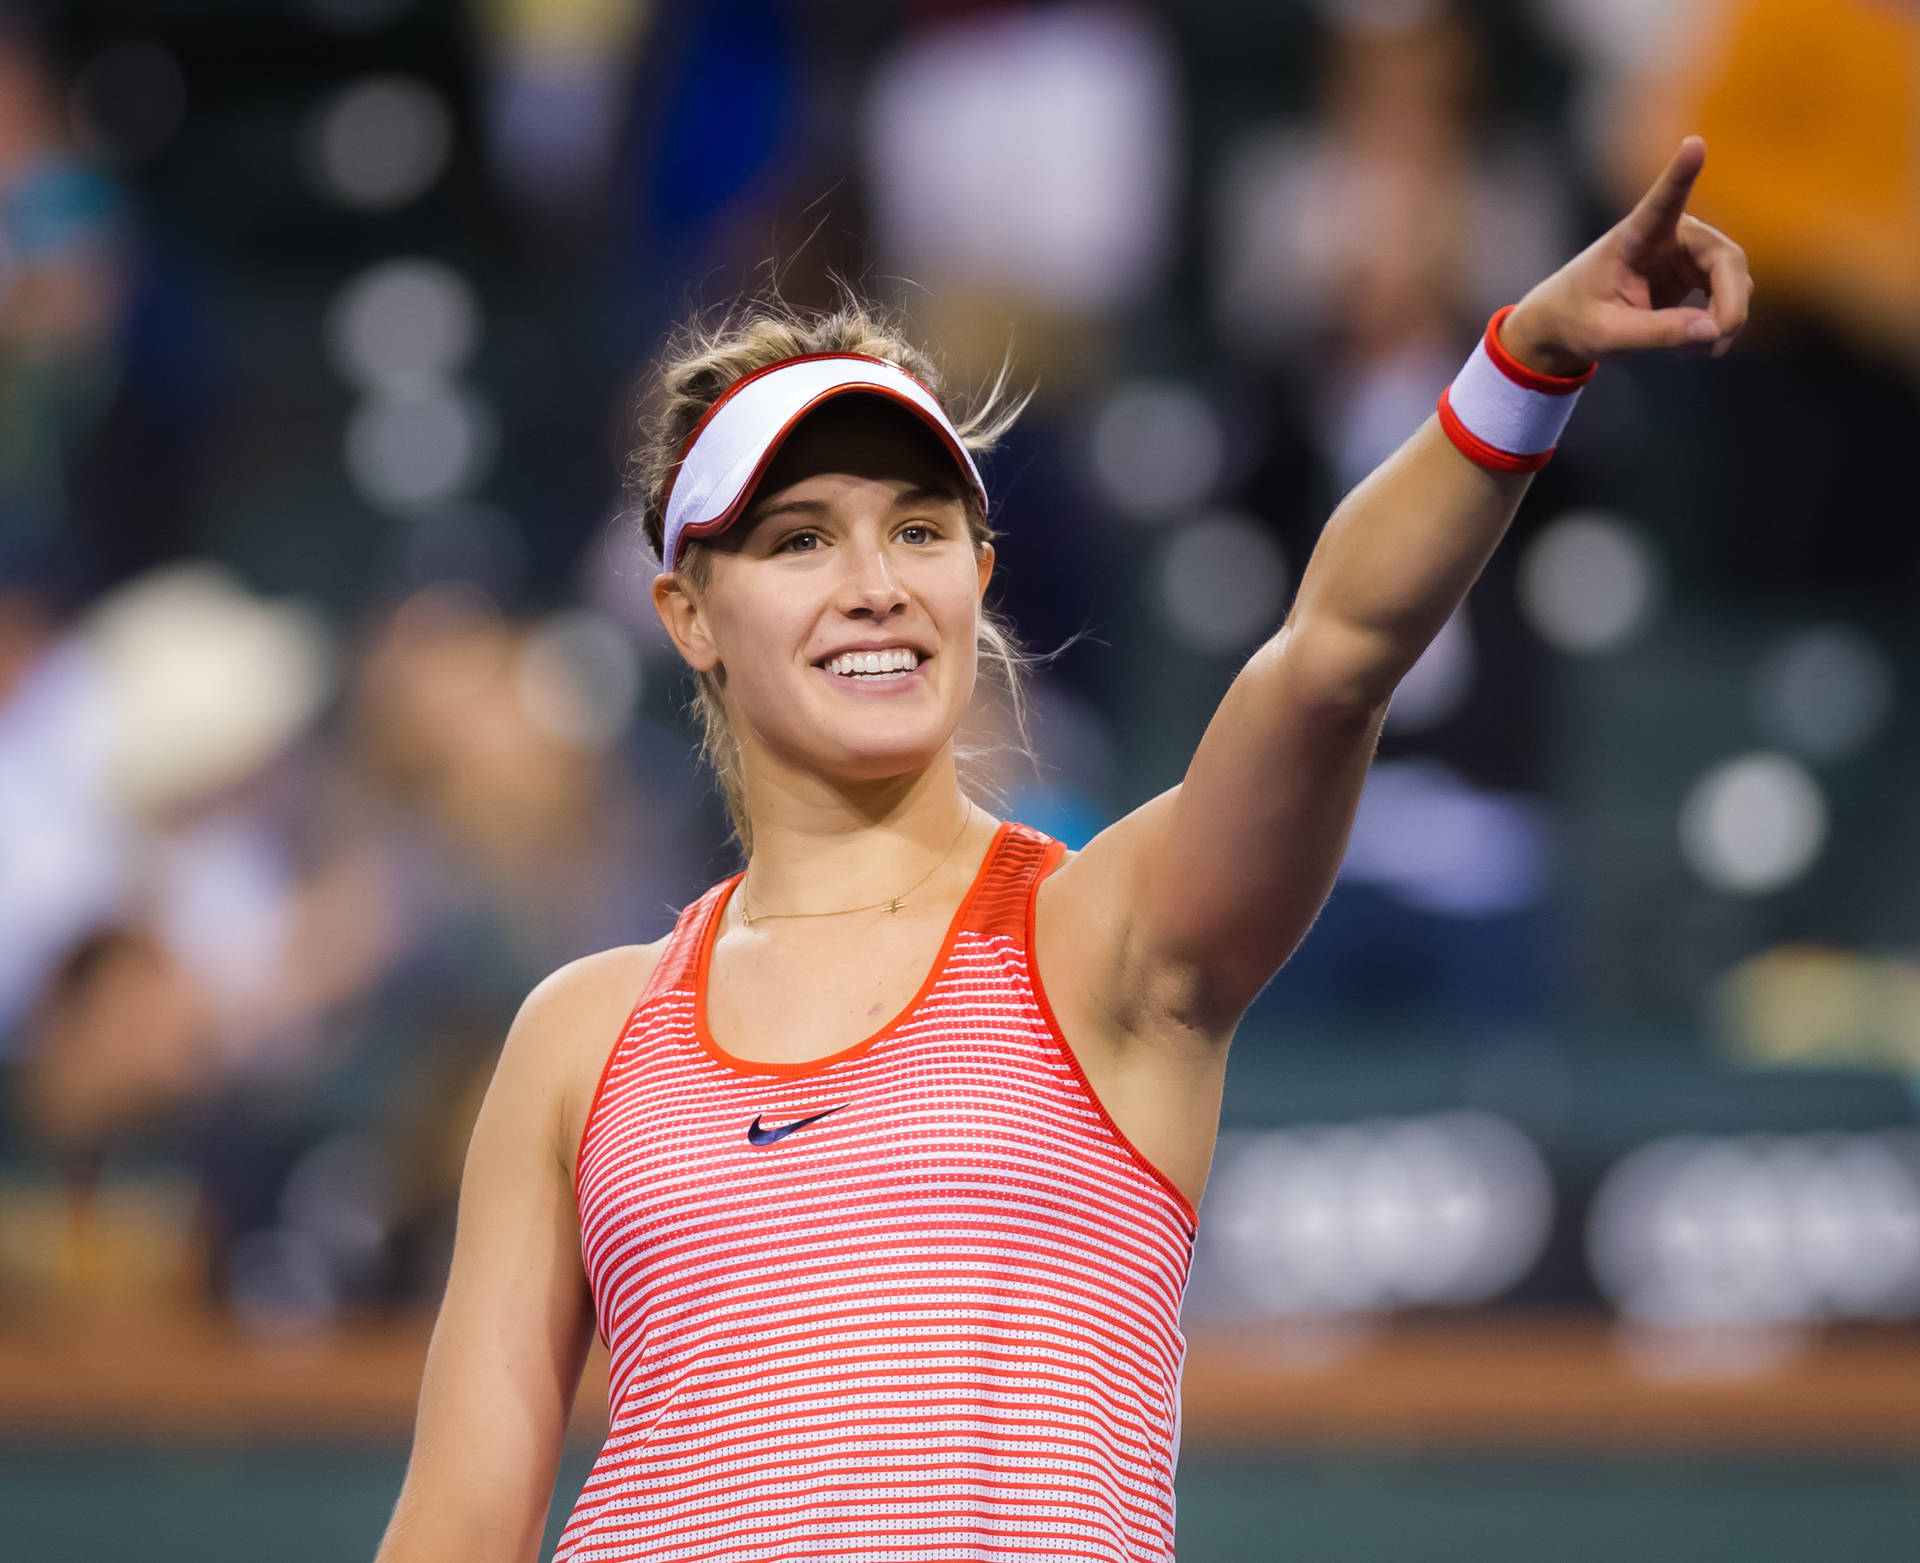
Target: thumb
pixel 1642 330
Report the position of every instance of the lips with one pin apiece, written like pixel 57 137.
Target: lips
pixel 877 683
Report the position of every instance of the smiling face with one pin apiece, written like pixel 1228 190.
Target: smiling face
pixel 841 611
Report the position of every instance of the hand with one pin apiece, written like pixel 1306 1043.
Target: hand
pixel 1622 293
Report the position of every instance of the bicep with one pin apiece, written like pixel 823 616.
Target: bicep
pixel 1199 895
pixel 1220 878
pixel 1256 835
pixel 511 1337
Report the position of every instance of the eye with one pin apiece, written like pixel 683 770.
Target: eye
pixel 928 533
pixel 792 544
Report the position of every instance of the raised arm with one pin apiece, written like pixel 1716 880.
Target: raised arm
pixel 1200 894
pixel 516 1321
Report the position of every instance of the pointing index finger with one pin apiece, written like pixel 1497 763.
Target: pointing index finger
pixel 1660 209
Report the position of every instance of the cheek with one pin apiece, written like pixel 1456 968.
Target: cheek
pixel 756 634
pixel 952 599
pixel 959 624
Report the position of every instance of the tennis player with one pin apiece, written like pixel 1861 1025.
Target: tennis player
pixel 878 1173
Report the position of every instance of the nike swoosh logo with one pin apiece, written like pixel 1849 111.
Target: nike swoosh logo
pixel 759 1136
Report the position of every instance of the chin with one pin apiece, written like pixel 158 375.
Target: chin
pixel 881 762
pixel 870 752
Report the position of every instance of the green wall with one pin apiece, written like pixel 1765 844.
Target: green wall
pixel 321 1505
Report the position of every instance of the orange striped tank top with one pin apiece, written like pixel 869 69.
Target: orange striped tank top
pixel 916 1300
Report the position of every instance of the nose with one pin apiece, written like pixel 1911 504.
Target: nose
pixel 872 586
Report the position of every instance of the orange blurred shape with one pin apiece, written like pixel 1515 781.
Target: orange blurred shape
pixel 73 1254
pixel 1811 112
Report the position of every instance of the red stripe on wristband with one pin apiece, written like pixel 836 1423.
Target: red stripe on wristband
pixel 1520 374
pixel 1479 451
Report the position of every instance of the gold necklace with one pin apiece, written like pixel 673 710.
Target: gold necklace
pixel 889 906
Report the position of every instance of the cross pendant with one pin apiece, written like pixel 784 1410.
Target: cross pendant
pixel 892 906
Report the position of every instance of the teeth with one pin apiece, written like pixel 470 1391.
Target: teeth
pixel 899 659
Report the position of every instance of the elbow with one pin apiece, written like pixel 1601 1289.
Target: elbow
pixel 1338 676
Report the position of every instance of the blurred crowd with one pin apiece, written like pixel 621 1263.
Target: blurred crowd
pixel 332 716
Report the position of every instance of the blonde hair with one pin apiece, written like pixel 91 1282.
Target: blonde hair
pixel 697 365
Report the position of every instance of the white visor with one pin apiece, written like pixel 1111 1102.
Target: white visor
pixel 732 444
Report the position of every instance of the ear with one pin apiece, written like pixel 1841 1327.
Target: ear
pixel 984 564
pixel 685 624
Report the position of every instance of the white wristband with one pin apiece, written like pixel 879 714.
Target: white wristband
pixel 1502 414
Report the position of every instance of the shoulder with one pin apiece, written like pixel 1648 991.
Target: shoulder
pixel 584 987
pixel 565 1030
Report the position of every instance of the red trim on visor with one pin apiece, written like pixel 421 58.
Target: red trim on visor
pixel 727 517
pixel 1520 374
pixel 1478 450
pixel 719 524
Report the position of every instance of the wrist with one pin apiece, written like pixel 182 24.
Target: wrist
pixel 1520 336
pixel 1503 413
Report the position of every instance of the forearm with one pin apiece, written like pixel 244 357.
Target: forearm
pixel 1402 549
pixel 487 1446
pixel 516 1320
pixel 1222 876
pixel 1393 562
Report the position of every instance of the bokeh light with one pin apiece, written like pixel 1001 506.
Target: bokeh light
pixel 1158 448
pixel 203 681
pixel 1446 1210
pixel 1589 583
pixel 337 1197
pixel 579 677
pixel 1030 155
pixel 1223 582
pixel 419 448
pixel 1753 824
pixel 380 143
pixel 1824 692
pixel 402 323
pixel 1752 1230
pixel 1437 843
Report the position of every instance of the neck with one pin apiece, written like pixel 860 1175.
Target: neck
pixel 820 844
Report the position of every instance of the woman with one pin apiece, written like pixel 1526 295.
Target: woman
pixel 884 1196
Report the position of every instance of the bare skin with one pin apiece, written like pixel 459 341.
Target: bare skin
pixel 1151 941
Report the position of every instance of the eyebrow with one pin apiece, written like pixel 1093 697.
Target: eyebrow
pixel 920 496
pixel 818 507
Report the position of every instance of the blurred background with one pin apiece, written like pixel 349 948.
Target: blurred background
pixel 1569 1189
